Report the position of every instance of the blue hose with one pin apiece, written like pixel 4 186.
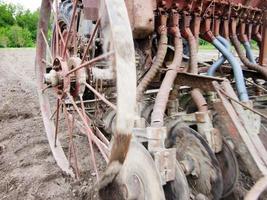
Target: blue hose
pixel 249 52
pixel 222 59
pixel 238 73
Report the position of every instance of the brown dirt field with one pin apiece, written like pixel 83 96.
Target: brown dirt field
pixel 27 167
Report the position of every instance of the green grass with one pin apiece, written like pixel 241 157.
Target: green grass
pixel 207 47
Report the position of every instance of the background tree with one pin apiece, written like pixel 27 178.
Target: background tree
pixel 18 27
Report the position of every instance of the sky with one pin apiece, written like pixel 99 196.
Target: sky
pixel 28 4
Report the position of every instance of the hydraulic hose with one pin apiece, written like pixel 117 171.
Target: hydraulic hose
pixel 222 59
pixel 242 55
pixel 238 73
pixel 245 41
pixel 161 53
pixel 249 52
pixel 161 101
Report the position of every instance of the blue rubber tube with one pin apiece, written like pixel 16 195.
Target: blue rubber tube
pixel 238 73
pixel 221 60
pixel 249 52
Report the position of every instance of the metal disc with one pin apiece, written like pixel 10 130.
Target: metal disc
pixel 189 143
pixel 229 167
pixel 138 178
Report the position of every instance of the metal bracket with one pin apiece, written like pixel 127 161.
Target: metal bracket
pixel 165 159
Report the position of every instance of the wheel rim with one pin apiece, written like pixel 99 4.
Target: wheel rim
pixel 124 63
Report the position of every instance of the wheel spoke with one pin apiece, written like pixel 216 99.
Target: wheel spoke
pixel 101 136
pixel 57 119
pixel 91 40
pixel 88 130
pixel 57 29
pixel 55 13
pixel 70 28
pixel 100 96
pixel 47 63
pixel 61 38
pixel 47 45
pixel 48 86
pixel 72 150
pixel 100 145
pixel 89 138
pixel 90 62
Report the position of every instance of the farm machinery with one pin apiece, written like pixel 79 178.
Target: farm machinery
pixel 122 99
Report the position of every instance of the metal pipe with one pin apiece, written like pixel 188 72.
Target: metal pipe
pixel 161 53
pixel 193 65
pixel 188 35
pixel 245 42
pixel 241 54
pixel 238 73
pixel 161 101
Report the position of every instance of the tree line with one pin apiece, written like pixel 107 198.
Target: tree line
pixel 18 26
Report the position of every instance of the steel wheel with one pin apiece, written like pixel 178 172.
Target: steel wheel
pixel 71 87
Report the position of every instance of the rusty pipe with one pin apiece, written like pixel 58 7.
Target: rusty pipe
pixel 161 53
pixel 217 24
pixel 249 31
pixel 188 35
pixel 242 35
pixel 193 66
pixel 196 28
pixel 226 29
pixel 199 100
pixel 241 54
pixel 161 101
pixel 256 34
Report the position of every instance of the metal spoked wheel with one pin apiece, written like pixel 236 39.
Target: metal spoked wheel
pixel 74 98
